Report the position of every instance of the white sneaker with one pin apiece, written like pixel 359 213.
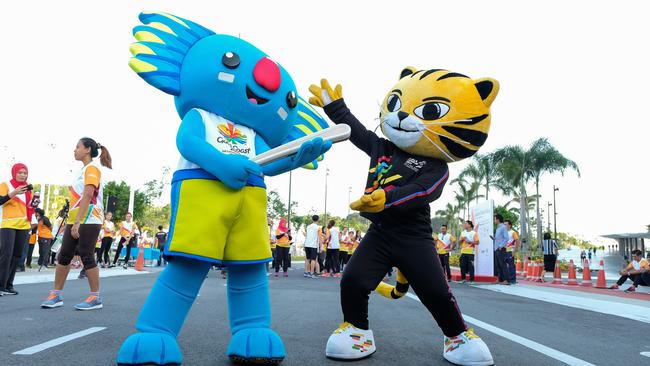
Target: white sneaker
pixel 467 349
pixel 350 343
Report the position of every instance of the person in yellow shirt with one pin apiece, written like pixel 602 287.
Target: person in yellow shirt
pixel 15 223
pixel 44 230
pixel 127 231
pixel 324 239
pixel 445 243
pixel 283 235
pixel 638 270
pixel 512 247
pixel 33 236
pixel 468 242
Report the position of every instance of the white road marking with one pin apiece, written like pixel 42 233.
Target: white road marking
pixel 547 351
pixel 57 341
pixel 624 310
pixel 647 354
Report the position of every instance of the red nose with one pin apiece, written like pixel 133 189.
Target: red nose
pixel 267 74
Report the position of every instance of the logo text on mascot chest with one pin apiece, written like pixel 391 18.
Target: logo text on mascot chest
pixel 414 164
pixel 232 136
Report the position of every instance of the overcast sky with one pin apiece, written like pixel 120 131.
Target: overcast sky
pixel 577 72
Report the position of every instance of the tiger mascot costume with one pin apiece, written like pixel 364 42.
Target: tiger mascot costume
pixel 430 118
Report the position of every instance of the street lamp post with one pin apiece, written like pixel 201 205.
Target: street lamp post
pixel 289 205
pixel 327 173
pixel 548 221
pixel 555 189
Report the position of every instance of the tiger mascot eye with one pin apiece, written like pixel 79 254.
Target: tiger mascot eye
pixel 430 118
pixel 438 113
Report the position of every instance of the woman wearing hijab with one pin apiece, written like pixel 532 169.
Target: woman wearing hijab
pixel 15 223
pixel 283 236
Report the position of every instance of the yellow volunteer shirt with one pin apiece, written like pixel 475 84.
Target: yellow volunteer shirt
pixel 443 242
pixel 466 237
pixel 13 214
pixel 44 232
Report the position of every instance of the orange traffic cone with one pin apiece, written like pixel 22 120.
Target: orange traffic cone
pixel 586 275
pixel 540 269
pixel 557 275
pixel 601 282
pixel 139 263
pixel 529 271
pixel 572 274
pixel 519 267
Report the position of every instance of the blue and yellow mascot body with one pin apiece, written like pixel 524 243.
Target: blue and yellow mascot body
pixel 235 103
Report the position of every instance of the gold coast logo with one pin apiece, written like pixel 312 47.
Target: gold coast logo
pixel 231 134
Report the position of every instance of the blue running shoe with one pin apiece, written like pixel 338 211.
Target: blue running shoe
pixel 52 301
pixel 92 302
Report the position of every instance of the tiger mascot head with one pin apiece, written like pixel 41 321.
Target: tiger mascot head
pixel 437 113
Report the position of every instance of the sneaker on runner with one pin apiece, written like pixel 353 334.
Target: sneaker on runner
pixel 326 274
pixel 337 275
pixel 92 302
pixel 350 343
pixel 8 291
pixel 613 287
pixel 276 275
pixel 286 274
pixel 306 274
pixel 467 349
pixel 631 289
pixel 52 301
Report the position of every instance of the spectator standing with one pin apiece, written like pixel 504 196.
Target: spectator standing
pixel 44 231
pixel 511 251
pixel 15 223
pixel 500 242
pixel 311 247
pixel 33 237
pixel 333 249
pixel 160 241
pixel 283 236
pixel 108 232
pixel 550 254
pixel 128 233
pixel 444 244
pixel 468 242
pixel 323 238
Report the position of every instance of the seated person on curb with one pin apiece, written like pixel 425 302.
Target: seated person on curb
pixel 638 271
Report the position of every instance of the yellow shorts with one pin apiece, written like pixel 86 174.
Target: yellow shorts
pixel 214 223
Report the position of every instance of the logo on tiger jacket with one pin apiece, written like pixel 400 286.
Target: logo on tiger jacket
pixel 414 164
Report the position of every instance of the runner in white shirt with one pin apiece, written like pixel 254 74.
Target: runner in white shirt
pixel 311 248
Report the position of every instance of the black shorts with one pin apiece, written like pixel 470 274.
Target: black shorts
pixel 549 262
pixel 311 253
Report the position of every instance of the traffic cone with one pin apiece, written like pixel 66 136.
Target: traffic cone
pixel 540 268
pixel 586 275
pixel 601 282
pixel 524 273
pixel 519 268
pixel 572 274
pixel 557 274
pixel 529 271
pixel 139 263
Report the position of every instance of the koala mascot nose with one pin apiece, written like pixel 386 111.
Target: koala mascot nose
pixel 401 115
pixel 267 74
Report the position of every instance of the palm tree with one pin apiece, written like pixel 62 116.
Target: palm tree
pixel 450 216
pixel 511 171
pixel 483 170
pixel 468 193
pixel 545 158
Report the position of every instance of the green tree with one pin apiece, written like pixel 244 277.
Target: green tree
pixel 450 216
pixel 466 193
pixel 508 215
pixel 481 169
pixel 545 158
pixel 275 207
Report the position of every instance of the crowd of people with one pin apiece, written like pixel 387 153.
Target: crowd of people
pixel 82 235
pixel 327 248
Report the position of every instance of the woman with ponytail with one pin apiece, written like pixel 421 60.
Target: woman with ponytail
pixel 84 223
pixel 15 222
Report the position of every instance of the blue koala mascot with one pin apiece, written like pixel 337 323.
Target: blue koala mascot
pixel 235 103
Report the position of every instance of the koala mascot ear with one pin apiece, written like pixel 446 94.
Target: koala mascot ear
pixel 408 70
pixel 488 89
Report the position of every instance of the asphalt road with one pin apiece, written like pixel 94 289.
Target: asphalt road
pixel 305 311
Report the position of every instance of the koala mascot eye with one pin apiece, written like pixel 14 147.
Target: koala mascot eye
pixel 292 100
pixel 394 103
pixel 431 111
pixel 230 60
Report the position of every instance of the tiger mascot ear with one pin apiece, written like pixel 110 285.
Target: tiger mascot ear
pixel 408 70
pixel 488 89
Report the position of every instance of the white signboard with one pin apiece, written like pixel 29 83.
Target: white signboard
pixel 483 219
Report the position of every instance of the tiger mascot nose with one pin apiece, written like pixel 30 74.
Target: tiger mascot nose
pixel 267 74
